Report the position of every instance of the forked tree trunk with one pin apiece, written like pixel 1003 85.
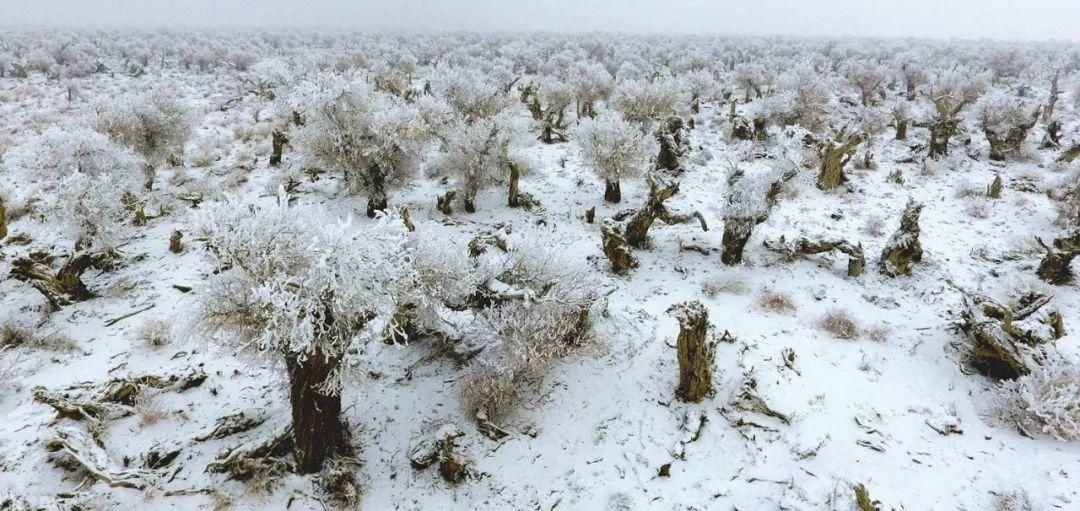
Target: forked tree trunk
pixel 835 154
pixel 278 141
pixel 445 203
pixel 318 431
pixel 696 353
pixel 940 133
pixel 612 192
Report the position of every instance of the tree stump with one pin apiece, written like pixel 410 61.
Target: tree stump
pixel 696 353
pixel 835 153
pixel 616 248
pixel 674 143
pixel 278 141
pixel 903 249
pixel 1054 267
pixel 612 192
pixel 176 244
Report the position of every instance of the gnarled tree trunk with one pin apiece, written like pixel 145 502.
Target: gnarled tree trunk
pixel 674 143
pixel 616 249
pixel 904 248
pixel 318 431
pixel 835 154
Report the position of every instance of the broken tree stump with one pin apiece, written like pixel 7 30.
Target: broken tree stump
pixel 904 249
pixel 674 143
pixel 616 248
pixel 176 242
pixel 1054 267
pixel 1003 338
pixel 695 351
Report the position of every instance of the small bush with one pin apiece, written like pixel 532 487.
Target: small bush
pixel 875 226
pixel 977 208
pixel 775 301
pixel 155 333
pixel 840 325
pixel 725 284
pixel 148 410
pixel 1047 400
pixel 878 333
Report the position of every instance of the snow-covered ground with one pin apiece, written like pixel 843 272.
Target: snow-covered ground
pixel 602 429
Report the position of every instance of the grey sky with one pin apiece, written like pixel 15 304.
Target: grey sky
pixel 1000 19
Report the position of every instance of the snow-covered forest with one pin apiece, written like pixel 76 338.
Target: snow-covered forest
pixel 337 270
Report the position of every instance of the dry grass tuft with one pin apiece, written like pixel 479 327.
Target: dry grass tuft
pixel 839 324
pixel 775 301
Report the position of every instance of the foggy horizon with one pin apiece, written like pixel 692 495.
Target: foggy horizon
pixel 923 19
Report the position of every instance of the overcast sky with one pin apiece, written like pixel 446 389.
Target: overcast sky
pixel 1000 19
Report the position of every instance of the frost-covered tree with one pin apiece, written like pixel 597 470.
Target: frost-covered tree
pixel 1005 120
pixel 84 183
pixel 613 148
pixel 808 99
pixel 153 124
pixel 950 92
pixel 702 86
pixel 590 82
pixel 868 77
pixel 752 78
pixel 649 100
pixel 548 102
pixel 471 92
pixel 307 290
pixel 373 137
pixel 482 154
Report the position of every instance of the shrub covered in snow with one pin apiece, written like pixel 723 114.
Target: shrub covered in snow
pixel 153 124
pixel 82 181
pixel 1047 400
pixel 373 137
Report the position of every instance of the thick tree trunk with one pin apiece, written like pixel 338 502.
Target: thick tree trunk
pixel 737 232
pixel 318 431
pixel 3 220
pixel 901 129
pixel 149 173
pixel 940 133
pixel 903 249
pixel 696 354
pixel 278 141
pixel 377 200
pixel 512 192
pixel 835 154
pixel 468 201
pixel 612 192
pixel 616 249
pixel 671 134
